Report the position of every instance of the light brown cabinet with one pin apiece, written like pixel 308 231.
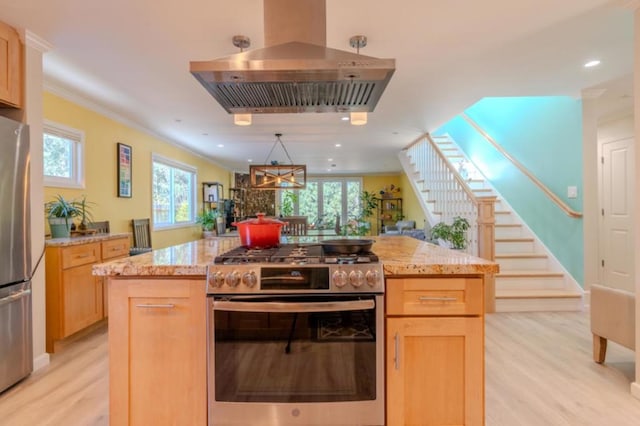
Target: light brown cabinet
pixel 74 296
pixel 157 351
pixel 10 66
pixel 435 351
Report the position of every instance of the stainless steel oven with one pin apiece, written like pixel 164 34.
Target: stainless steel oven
pixel 296 345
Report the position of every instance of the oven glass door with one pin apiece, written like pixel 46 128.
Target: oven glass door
pixel 295 349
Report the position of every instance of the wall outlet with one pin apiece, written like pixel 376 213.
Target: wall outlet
pixel 572 191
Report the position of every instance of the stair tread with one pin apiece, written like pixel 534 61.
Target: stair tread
pixel 481 189
pixel 501 212
pixel 508 225
pixel 521 255
pixel 530 294
pixel 513 239
pixel 529 273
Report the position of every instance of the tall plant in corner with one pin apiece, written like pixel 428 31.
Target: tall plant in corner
pixel 369 205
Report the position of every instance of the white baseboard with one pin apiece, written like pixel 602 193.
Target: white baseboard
pixel 41 361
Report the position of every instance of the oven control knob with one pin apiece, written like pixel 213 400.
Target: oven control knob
pixel 217 279
pixel 356 278
pixel 339 279
pixel 373 277
pixel 249 279
pixel 232 279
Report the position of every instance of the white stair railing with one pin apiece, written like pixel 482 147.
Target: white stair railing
pixel 445 189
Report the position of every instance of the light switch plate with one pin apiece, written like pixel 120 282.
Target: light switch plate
pixel 572 191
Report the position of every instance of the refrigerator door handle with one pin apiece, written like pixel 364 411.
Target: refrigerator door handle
pixel 15 296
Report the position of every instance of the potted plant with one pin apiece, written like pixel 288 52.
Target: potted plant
pixel 369 205
pixel 208 221
pixel 451 236
pixel 85 213
pixel 60 213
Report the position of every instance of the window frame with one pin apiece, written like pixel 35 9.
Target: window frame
pixel 174 164
pixel 77 137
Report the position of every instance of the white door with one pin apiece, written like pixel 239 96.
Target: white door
pixel 617 214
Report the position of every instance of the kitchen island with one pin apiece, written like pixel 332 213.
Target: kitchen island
pixel 434 324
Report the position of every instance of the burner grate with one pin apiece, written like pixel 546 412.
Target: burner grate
pixel 292 254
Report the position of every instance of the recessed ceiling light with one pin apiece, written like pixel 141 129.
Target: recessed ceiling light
pixel 338 145
pixel 220 145
pixel 330 159
pixel 344 118
pixel 205 134
pixel 593 63
pixel 250 160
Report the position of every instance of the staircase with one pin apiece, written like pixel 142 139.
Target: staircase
pixel 530 278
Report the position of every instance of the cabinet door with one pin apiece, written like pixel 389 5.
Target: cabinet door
pixel 82 296
pixel 10 66
pixel 157 352
pixel 435 371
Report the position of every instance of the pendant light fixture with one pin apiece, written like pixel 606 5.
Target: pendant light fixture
pixel 278 176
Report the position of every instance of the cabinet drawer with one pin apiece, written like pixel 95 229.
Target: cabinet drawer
pixel 434 296
pixel 115 248
pixel 80 255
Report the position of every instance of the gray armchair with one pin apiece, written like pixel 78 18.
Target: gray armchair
pixel 400 227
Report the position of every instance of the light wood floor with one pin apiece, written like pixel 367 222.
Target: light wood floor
pixel 539 371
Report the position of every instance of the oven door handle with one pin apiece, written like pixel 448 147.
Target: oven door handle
pixel 353 305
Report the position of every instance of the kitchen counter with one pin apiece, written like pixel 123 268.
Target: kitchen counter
pixel 72 241
pixel 157 304
pixel 400 255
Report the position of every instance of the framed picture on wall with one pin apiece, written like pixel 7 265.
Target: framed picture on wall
pixel 124 170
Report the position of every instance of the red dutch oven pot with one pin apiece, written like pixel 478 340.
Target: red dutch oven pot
pixel 259 233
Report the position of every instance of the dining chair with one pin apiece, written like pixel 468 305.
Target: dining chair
pixel 141 236
pixel 296 225
pixel 100 227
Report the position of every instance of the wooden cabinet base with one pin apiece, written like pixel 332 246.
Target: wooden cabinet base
pixel 157 352
pixel 435 351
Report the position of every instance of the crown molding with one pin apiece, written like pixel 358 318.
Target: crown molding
pixel 83 101
pixel 35 41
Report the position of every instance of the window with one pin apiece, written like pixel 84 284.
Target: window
pixel 63 156
pixel 173 193
pixel 325 199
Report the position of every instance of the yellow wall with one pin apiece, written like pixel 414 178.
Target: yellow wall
pixel 101 136
pixel 410 206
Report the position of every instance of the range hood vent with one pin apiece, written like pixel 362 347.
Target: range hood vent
pixel 295 77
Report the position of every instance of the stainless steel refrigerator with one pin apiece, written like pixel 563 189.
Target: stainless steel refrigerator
pixel 16 348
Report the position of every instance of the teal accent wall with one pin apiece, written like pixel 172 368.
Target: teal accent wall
pixel 545 135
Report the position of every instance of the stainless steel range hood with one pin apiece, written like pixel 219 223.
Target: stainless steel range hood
pixel 296 76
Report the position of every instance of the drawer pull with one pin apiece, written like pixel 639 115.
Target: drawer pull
pixel 82 256
pixel 157 305
pixel 436 299
pixel 396 357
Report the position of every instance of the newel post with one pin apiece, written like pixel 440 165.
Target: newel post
pixel 487 245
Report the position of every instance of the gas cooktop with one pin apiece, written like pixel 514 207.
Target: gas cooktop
pixel 294 268
pixel 292 254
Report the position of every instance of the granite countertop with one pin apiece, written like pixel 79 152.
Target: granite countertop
pixel 400 255
pixel 93 238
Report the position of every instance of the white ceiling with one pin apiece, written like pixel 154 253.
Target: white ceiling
pixel 131 57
